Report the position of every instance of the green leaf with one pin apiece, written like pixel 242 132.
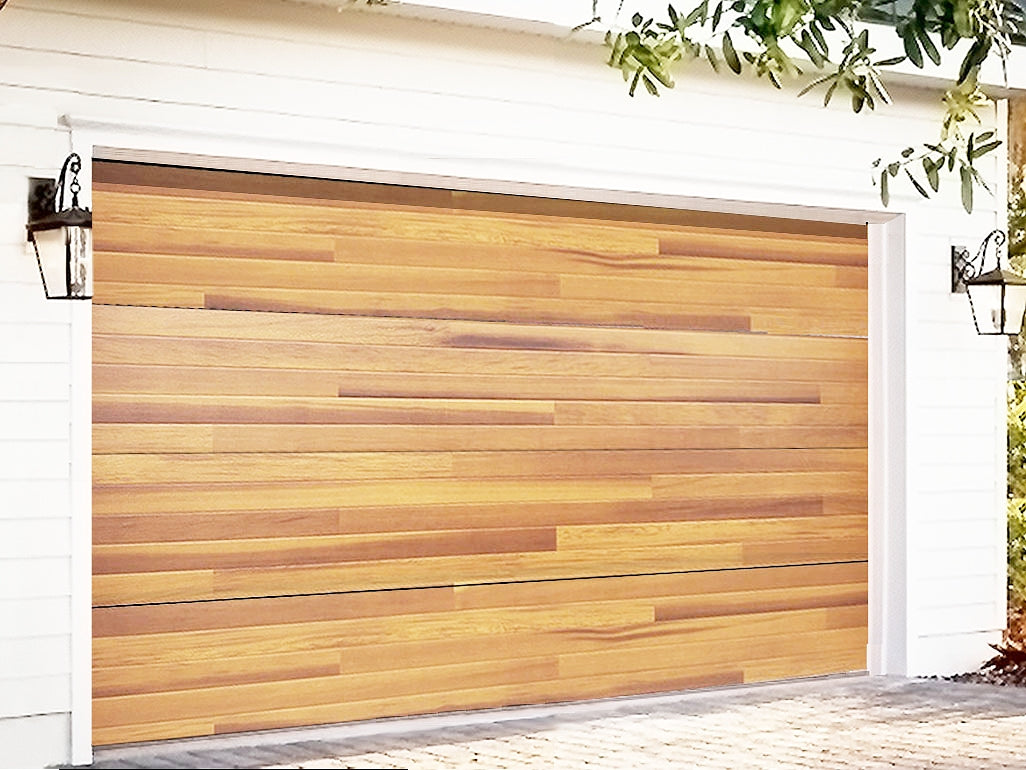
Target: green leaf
pixel 919 187
pixel 634 82
pixel 979 179
pixel 636 19
pixel 820 39
pixel 717 14
pixel 912 50
pixel 907 152
pixel 960 15
pixel 857 101
pixel 829 93
pixel 928 46
pixel 876 162
pixel 893 168
pixel 890 62
pixel 806 43
pixel 649 85
pixel 885 193
pixel 661 75
pixel 730 55
pixel 672 13
pixel 973 58
pixel 983 149
pixel 878 85
pixel 695 15
pixel 710 54
pixel 967 190
pixel 984 136
pixel 932 176
pixel 951 158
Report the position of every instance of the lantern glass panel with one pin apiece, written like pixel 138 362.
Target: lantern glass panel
pixel 51 251
pixel 986 304
pixel 1015 307
pixel 65 256
pixel 80 273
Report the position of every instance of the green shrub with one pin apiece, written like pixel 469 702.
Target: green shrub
pixel 1017 492
pixel 1017 551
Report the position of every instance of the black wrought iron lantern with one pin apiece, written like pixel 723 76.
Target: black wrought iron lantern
pixel 997 298
pixel 61 237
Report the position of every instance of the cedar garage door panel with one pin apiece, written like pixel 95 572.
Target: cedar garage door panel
pixel 449 394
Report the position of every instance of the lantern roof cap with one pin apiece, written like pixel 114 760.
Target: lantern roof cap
pixel 997 276
pixel 73 217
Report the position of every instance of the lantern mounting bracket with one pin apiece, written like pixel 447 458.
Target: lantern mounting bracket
pixel 42 197
pixel 965 267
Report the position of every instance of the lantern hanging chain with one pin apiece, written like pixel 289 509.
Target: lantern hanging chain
pixel 73 163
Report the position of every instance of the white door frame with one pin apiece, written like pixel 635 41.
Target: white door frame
pixel 94 138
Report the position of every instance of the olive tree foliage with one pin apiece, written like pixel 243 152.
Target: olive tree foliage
pixel 784 38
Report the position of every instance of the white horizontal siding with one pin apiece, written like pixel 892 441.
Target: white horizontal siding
pixel 34 420
pixel 45 577
pixel 24 299
pixel 34 498
pixel 33 343
pixel 954 618
pixel 939 505
pixel 29 618
pixel 33 741
pixel 34 656
pixel 34 382
pixel 970 532
pixel 33 538
pixel 956 591
pixel 36 459
pixel 30 695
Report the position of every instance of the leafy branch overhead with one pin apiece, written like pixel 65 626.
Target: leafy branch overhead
pixel 785 37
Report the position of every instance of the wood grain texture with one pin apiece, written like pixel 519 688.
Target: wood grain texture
pixel 364 451
pixel 357 656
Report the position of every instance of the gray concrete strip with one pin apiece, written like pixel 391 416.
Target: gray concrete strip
pixel 833 723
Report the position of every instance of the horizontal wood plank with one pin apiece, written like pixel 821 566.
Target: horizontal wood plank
pixel 153 468
pixel 846 356
pixel 142 438
pixel 146 527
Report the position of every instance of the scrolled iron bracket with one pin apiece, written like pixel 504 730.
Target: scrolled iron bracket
pixel 964 267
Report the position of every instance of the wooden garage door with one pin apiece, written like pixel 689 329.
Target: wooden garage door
pixel 366 450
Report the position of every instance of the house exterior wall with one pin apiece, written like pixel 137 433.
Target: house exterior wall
pixel 398 99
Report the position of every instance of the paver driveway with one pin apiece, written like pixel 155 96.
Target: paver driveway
pixel 843 722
